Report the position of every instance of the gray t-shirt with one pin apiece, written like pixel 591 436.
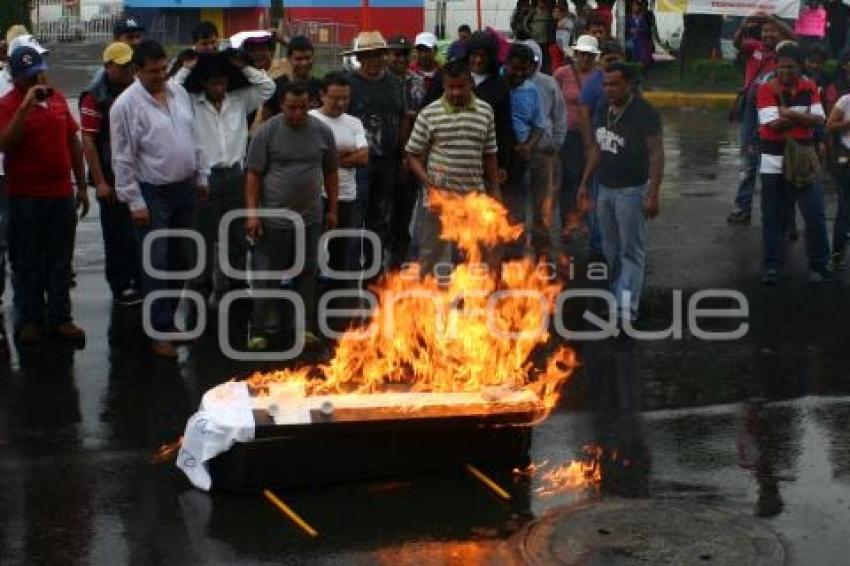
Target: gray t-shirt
pixel 292 162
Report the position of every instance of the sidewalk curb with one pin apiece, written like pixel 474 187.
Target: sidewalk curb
pixel 673 99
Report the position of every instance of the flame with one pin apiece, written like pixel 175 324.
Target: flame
pixel 574 475
pixel 472 331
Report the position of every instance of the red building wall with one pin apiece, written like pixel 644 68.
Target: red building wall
pixel 389 21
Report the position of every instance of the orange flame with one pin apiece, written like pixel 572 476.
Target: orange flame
pixel 573 476
pixel 474 331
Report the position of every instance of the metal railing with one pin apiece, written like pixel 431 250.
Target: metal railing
pixel 329 39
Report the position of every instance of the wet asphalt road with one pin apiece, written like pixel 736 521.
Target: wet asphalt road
pixel 760 425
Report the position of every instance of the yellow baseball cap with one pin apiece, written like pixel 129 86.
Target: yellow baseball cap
pixel 119 53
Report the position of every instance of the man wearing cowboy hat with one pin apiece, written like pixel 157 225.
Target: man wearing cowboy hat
pixel 378 101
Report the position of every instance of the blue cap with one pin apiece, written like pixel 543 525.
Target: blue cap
pixel 26 62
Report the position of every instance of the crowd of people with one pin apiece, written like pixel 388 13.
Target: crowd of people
pixel 793 126
pixel 240 149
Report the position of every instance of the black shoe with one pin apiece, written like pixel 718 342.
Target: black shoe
pixel 793 236
pixel 127 298
pixel 838 262
pixel 739 217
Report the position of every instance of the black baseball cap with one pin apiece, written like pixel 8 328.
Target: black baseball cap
pixel 400 42
pixel 26 62
pixel 127 25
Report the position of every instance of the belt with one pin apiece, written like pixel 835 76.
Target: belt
pixel 237 165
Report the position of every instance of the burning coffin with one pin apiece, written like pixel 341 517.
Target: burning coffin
pixel 447 371
pixel 331 438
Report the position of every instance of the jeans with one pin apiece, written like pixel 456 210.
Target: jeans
pixel 275 251
pixel 572 168
pixel 344 252
pixel 171 207
pixel 376 187
pixel 624 233
pixel 515 197
pixel 404 203
pixel 842 215
pixel 776 195
pixel 226 194
pixel 120 246
pixel 4 234
pixel 542 189
pixel 747 179
pixel 41 247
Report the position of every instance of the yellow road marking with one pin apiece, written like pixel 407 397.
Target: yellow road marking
pixel 292 515
pixel 494 487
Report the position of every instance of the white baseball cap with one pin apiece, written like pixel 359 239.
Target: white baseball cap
pixel 26 40
pixel 587 44
pixel 426 39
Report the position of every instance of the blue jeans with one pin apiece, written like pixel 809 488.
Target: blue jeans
pixel 515 198
pixel 572 167
pixel 842 215
pixel 41 246
pixel 226 194
pixel 376 192
pixel 747 179
pixel 623 228
pixel 275 251
pixel 120 247
pixel 776 196
pixel 171 207
pixel 594 230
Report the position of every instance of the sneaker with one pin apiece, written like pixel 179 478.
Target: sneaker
pixel 739 217
pixel 127 298
pixel 164 349
pixel 838 262
pixel 70 332
pixel 821 275
pixel 29 335
pixel 770 277
pixel 258 343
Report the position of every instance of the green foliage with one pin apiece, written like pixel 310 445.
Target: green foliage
pixel 13 12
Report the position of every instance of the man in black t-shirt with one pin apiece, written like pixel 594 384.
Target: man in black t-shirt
pixel 628 158
pixel 377 100
pixel 299 52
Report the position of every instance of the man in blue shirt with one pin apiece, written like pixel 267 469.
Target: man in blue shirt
pixel 530 128
pixel 592 96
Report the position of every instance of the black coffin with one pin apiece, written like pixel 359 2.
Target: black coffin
pixel 330 452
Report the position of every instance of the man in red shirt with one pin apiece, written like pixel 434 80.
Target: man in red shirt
pixel 789 108
pixel 39 138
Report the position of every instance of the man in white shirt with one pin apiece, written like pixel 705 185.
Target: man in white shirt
pixel 160 172
pixel 224 90
pixel 353 150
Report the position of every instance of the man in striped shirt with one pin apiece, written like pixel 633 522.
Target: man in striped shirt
pixel 452 147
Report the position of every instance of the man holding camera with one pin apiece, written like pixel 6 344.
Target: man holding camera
pixel 39 137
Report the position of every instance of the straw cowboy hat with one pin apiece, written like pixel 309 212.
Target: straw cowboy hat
pixel 367 41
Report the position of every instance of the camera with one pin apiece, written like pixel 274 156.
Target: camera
pixel 43 94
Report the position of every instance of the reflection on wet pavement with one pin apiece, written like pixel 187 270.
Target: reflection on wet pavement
pixel 758 426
